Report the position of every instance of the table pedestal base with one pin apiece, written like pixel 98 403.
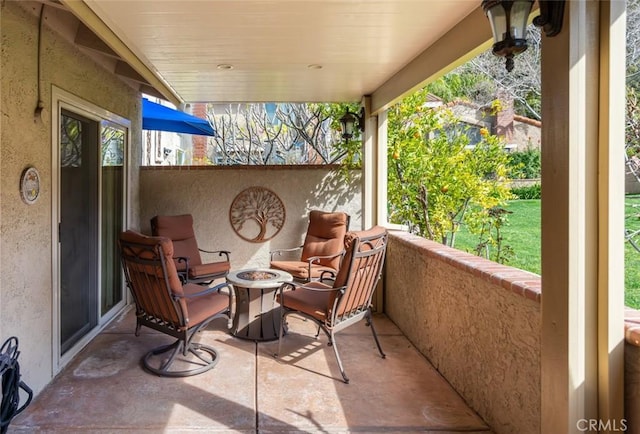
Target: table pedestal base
pixel 257 314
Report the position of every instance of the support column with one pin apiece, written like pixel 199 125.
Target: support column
pixel 381 178
pixel 370 168
pixel 611 189
pixel 580 109
pixel 569 275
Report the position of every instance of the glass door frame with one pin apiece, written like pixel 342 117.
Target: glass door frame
pixel 64 100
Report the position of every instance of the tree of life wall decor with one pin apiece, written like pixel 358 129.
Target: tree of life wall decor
pixel 257 214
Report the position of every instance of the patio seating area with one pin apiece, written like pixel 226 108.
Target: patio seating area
pixel 105 389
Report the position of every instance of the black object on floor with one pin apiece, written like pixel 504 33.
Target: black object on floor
pixel 11 384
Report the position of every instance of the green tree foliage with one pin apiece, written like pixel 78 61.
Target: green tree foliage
pixel 632 128
pixel 633 45
pixel 632 133
pixel 491 240
pixel 463 85
pixel 435 180
pixel 525 164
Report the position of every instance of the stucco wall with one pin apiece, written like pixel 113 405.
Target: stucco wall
pixel 25 230
pixel 476 326
pixel 208 192
pixel 526 136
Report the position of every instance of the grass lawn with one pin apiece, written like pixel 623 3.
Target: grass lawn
pixel 522 233
pixel 631 255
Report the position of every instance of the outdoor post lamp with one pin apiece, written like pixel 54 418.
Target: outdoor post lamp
pixel 349 121
pixel 508 19
pixel 508 23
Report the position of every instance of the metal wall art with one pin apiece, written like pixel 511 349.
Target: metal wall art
pixel 257 214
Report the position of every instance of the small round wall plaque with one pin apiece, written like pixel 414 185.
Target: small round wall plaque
pixel 30 185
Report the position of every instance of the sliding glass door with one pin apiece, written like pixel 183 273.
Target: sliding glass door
pixel 78 227
pixel 111 216
pixel 91 210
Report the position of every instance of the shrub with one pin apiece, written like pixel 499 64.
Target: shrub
pixel 528 192
pixel 525 164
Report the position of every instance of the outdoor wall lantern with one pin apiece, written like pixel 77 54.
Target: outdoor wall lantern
pixel 350 121
pixel 509 24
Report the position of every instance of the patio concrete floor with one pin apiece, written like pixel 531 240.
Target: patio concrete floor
pixel 105 389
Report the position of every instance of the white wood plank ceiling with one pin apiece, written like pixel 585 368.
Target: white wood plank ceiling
pixel 278 50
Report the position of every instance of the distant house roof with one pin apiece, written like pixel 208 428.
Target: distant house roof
pixel 529 121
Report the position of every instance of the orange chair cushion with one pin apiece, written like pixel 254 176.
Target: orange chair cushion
pixel 167 249
pixel 300 269
pixel 209 269
pixel 314 303
pixel 176 227
pixel 179 228
pixel 203 307
pixel 351 244
pixel 325 237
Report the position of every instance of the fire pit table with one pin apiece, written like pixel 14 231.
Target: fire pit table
pixel 257 315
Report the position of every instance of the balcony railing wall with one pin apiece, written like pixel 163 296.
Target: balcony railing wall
pixel 479 323
pixel 478 327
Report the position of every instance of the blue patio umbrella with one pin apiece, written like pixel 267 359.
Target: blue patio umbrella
pixel 161 118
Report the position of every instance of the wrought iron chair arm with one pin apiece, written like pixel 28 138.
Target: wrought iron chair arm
pixel 325 274
pixel 225 253
pixel 295 286
pixel 209 290
pixel 184 259
pixel 182 275
pixel 279 252
pixel 314 259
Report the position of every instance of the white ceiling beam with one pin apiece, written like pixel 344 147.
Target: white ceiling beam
pixel 97 26
pixel 466 40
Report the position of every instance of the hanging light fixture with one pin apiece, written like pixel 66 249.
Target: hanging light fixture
pixel 350 121
pixel 508 19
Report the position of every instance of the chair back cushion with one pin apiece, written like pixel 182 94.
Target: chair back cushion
pixel 178 228
pixel 325 236
pixel 361 268
pixel 152 276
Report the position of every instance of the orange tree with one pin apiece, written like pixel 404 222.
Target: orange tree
pixel 436 180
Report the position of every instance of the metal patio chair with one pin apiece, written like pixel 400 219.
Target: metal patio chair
pixel 189 263
pixel 322 250
pixel 348 300
pixel 165 304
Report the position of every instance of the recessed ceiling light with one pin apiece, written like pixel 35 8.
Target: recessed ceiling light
pixel 225 66
pixel 314 66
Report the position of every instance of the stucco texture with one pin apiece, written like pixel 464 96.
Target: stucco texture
pixel 207 194
pixel 484 339
pixel 26 230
